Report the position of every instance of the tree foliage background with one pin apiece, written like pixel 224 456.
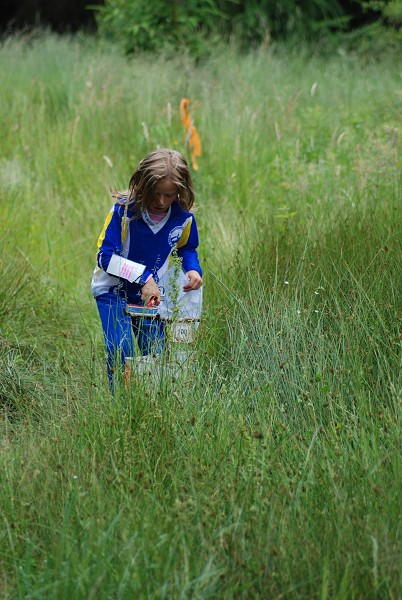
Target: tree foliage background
pixel 141 25
pixel 196 25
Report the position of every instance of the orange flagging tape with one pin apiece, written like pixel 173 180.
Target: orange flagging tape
pixel 194 140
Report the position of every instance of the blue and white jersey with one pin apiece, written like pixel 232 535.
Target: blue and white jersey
pixel 130 249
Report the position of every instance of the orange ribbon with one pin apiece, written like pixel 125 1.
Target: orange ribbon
pixel 193 138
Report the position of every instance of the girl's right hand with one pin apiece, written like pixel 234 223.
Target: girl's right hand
pixel 150 290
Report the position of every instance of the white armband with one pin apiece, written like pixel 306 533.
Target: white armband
pixel 127 269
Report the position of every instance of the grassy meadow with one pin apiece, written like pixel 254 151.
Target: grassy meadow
pixel 274 471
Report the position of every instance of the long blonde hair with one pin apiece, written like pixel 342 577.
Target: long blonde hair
pixel 158 165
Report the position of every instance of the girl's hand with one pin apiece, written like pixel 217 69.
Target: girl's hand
pixel 149 290
pixel 195 281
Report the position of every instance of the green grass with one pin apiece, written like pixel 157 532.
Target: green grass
pixel 274 472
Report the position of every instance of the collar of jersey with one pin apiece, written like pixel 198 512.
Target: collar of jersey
pixel 155 227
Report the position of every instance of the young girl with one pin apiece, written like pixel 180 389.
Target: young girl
pixel 147 225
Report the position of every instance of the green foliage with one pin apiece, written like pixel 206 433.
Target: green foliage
pixel 140 25
pixel 143 25
pixel 389 10
pixel 259 20
pixel 382 34
pixel 275 471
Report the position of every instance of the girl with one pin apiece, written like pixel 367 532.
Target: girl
pixel 146 226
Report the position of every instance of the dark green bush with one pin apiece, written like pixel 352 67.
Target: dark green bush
pixel 140 25
pixel 381 30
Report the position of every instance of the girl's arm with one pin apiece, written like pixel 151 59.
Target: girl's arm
pixel 187 250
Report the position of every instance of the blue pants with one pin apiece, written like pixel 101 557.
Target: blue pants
pixel 120 331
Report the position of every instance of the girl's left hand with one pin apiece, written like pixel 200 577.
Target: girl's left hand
pixel 195 281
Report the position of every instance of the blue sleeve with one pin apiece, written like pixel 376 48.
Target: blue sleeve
pixel 109 241
pixel 188 252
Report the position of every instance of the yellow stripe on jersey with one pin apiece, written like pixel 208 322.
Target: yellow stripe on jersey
pixel 185 235
pixel 124 223
pixel 103 232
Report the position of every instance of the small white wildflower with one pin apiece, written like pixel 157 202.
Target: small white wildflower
pixel 316 311
pixel 145 130
pixel 340 138
pixel 316 293
pixel 277 132
pixel 75 476
pixel 169 114
pixel 286 282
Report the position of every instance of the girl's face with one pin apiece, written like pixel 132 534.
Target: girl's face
pixel 165 194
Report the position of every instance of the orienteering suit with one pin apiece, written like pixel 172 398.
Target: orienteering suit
pixel 130 250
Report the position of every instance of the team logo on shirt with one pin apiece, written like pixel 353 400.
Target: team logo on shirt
pixel 175 235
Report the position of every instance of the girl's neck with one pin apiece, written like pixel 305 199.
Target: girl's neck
pixel 157 217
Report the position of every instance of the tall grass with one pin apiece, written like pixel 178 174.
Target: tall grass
pixel 274 471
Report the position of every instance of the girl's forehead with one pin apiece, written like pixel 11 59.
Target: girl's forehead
pixel 166 185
